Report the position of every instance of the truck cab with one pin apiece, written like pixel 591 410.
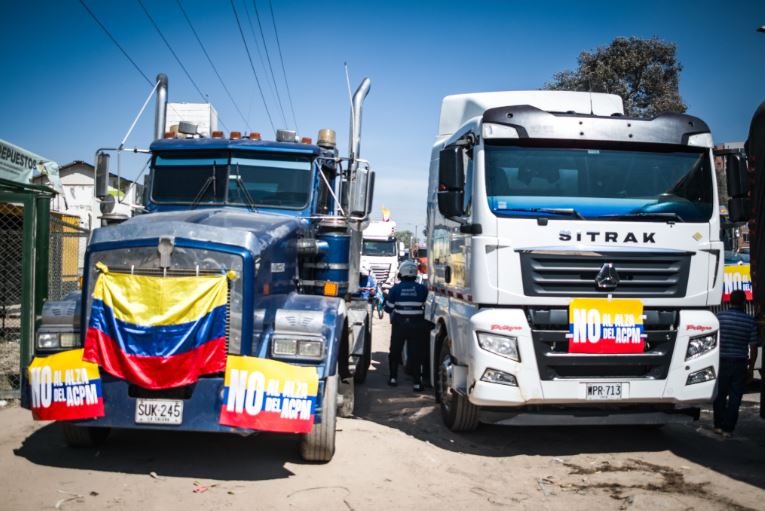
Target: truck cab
pixel 280 221
pixel 573 253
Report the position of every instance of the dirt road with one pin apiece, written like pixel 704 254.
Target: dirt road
pixel 395 455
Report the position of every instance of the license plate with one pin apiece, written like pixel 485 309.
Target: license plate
pixel 159 411
pixel 606 391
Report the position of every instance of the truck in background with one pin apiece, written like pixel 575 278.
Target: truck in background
pixel 380 251
pixel 574 253
pixel 281 222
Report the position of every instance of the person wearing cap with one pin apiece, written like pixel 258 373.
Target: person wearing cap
pixel 406 306
pixel 738 351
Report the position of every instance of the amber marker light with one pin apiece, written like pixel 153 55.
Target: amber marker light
pixel 217 134
pixel 306 140
pixel 254 135
pixel 235 135
pixel 331 289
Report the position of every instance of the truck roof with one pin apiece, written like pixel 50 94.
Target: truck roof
pixel 380 230
pixel 185 144
pixel 457 109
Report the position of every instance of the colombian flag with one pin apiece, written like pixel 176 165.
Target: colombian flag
pixel 158 332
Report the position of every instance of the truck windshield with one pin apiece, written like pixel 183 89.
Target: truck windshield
pixel 647 185
pixel 379 248
pixel 267 180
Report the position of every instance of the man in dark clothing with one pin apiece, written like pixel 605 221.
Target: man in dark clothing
pixel 738 339
pixel 406 306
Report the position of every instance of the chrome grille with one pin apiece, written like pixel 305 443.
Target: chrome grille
pixel 571 274
pixel 548 332
pixel 380 271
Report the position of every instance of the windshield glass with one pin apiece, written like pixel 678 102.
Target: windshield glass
pixel 599 183
pixel 282 181
pixel 183 179
pixel 379 248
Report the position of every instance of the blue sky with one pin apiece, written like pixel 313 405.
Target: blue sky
pixel 67 90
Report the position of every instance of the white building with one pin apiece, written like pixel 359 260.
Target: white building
pixel 78 194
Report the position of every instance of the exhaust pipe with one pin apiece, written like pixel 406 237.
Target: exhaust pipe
pixel 358 99
pixel 160 113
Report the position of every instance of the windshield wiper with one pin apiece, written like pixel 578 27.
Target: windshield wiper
pixel 210 181
pixel 553 211
pixel 667 216
pixel 245 193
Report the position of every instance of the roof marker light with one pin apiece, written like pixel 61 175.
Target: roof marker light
pixel 235 135
pixel 254 135
pixel 169 134
pixel 217 134
pixel 306 140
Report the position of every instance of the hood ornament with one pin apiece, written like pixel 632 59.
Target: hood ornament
pixel 607 278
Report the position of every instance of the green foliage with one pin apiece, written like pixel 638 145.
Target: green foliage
pixel 405 236
pixel 644 72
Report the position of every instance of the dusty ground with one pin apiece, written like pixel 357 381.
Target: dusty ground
pixel 396 454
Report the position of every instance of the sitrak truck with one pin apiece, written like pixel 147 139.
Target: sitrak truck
pixel 574 255
pixel 230 305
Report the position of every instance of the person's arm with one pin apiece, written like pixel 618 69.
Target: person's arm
pixel 390 301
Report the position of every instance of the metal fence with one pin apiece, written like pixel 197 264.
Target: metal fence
pixel 11 243
pixel 67 252
pixel 67 244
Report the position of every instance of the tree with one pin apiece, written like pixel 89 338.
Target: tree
pixel 405 236
pixel 644 72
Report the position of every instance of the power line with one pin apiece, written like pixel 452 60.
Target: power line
pixel 124 52
pixel 268 58
pixel 260 55
pixel 204 97
pixel 252 66
pixel 286 82
pixel 204 50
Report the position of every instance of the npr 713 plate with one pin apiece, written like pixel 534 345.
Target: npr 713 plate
pixel 159 411
pixel 606 391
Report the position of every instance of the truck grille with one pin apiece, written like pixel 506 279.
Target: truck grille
pixel 548 332
pixel 571 274
pixel 380 271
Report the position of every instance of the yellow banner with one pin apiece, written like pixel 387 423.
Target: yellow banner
pixel 737 277
pixel 267 395
pixel 598 325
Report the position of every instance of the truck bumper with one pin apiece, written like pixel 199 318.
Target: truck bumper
pixel 201 409
pixel 570 391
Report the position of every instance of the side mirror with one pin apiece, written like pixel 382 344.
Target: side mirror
pixel 736 175
pixel 451 182
pixel 361 190
pixel 102 175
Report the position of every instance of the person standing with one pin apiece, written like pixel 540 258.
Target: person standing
pixel 406 306
pixel 738 340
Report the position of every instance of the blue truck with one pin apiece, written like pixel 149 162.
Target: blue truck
pixel 285 218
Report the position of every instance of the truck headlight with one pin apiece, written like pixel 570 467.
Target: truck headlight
pixel 701 344
pixel 291 347
pixel 502 345
pixel 48 340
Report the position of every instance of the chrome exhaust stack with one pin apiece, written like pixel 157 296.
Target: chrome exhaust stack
pixel 160 114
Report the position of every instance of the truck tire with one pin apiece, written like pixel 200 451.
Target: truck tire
pixel 457 412
pixel 362 366
pixel 83 436
pixel 319 444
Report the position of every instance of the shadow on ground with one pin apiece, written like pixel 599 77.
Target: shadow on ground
pixel 418 415
pixel 168 453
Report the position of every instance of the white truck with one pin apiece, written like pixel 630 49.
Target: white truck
pixel 574 253
pixel 380 251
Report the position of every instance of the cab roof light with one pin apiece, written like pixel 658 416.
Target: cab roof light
pixel 306 140
pixel 217 134
pixel 327 139
pixel 235 135
pixel 169 134
pixel 254 135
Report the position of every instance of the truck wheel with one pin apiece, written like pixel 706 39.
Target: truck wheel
pixel 319 444
pixel 362 366
pixel 458 413
pixel 83 436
